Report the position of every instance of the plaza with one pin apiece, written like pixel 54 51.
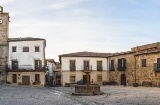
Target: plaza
pixel 113 95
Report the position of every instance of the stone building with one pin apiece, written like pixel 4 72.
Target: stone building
pixel 4 34
pixel 141 65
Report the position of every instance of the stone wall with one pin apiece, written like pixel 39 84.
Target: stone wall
pixel 115 75
pixel 4 30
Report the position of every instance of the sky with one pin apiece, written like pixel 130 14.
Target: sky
pixel 69 26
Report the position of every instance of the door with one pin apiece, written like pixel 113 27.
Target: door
pixel 86 65
pixel 158 62
pixel 14 78
pixel 14 65
pixel 25 80
pixel 123 79
pixel 85 79
pixel 38 64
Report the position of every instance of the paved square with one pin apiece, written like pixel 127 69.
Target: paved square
pixel 114 95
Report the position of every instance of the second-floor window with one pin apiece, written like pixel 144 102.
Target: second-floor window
pixel 37 49
pixel 122 64
pixel 25 49
pixel 86 65
pixel 14 49
pixel 112 65
pixel 72 65
pixel 99 65
pixel 143 62
pixel 38 64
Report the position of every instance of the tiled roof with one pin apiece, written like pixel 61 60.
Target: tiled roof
pixel 85 54
pixel 24 39
pixel 120 53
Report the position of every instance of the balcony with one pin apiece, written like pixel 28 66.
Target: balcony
pixel 156 67
pixel 72 68
pixel 99 68
pixel 87 67
pixel 111 68
pixel 122 68
pixel 25 67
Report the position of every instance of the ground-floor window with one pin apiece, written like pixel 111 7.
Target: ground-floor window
pixel 72 79
pixel 37 78
pixel 99 78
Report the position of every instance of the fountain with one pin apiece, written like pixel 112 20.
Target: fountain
pixel 87 89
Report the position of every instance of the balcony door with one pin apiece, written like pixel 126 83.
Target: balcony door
pixel 38 64
pixel 14 65
pixel 86 65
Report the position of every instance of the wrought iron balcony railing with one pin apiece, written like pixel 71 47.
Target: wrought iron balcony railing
pixel 122 68
pixel 112 68
pixel 72 68
pixel 99 68
pixel 156 67
pixel 26 67
pixel 87 67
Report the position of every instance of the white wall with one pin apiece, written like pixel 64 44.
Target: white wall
pixel 27 58
pixel 79 62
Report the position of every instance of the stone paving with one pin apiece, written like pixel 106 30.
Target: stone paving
pixel 113 95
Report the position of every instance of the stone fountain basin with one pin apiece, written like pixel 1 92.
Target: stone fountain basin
pixel 92 89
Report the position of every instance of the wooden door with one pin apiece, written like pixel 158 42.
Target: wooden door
pixel 25 80
pixel 14 78
pixel 123 79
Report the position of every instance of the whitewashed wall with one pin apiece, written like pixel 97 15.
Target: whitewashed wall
pixel 79 62
pixel 27 58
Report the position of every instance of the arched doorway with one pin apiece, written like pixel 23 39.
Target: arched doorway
pixel 123 79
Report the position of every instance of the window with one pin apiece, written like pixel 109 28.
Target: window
pixel 72 79
pixel 143 62
pixel 38 64
pixel 14 49
pixel 14 65
pixel 99 65
pixel 122 64
pixel 86 65
pixel 25 49
pixel 37 78
pixel 112 65
pixel 72 65
pixel 36 49
pixel 99 78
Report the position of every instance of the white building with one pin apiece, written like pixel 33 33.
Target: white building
pixel 26 61
pixel 72 65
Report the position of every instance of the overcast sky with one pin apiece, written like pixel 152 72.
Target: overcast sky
pixel 85 25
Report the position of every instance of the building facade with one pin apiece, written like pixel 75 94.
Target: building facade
pixel 73 64
pixel 26 61
pixel 4 34
pixel 141 65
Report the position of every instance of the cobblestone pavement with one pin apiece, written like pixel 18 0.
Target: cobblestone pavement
pixel 113 95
